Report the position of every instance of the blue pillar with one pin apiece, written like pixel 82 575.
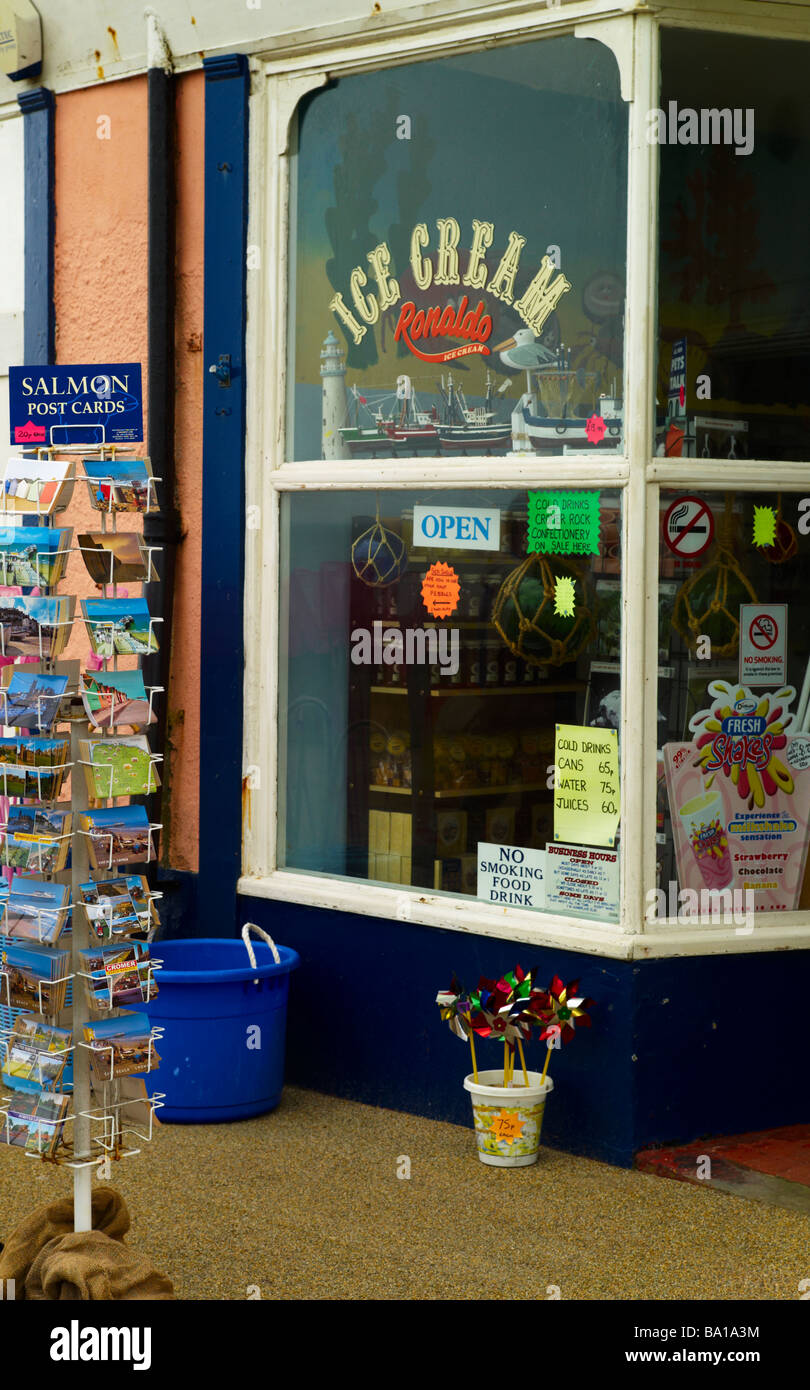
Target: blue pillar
pixel 38 107
pixel 227 83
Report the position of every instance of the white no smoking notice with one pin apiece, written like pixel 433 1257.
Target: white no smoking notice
pixel 763 644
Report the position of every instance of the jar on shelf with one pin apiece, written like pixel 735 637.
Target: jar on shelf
pixel 399 756
pixel 492 669
pixel 379 758
pixel 473 596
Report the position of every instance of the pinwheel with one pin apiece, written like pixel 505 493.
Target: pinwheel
pixel 499 1011
pixel 509 1009
pixel 455 1010
pixel 561 1009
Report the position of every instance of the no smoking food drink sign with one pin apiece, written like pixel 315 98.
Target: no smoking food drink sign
pixel 763 644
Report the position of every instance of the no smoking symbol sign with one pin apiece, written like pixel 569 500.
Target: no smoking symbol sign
pixel 688 527
pixel 763 632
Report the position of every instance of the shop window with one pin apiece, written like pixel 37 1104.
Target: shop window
pixel 734 286
pixel 458 258
pixel 450 693
pixel 733 684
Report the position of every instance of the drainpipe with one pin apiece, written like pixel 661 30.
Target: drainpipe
pixel 161 528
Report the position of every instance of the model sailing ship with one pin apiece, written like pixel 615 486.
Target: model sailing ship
pixel 409 429
pixel 543 415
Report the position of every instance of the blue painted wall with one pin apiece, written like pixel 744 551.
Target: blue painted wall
pixel 678 1048
pixel 37 107
pixel 227 82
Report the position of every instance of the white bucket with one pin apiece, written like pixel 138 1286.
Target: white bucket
pixel 508 1118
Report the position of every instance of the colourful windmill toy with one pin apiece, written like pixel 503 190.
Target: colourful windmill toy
pixel 509 1009
pixel 559 1009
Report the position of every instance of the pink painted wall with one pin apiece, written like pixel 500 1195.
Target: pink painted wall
pixel 184 693
pixel 100 295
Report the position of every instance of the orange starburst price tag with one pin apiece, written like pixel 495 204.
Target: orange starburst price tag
pixel 440 590
pixel 507 1126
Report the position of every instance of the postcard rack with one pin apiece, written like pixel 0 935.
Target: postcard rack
pixel 112 1114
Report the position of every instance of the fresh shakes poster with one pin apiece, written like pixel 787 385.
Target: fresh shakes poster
pixel 739 797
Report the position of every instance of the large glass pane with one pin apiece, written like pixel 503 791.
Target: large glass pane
pixel 734 287
pixel 734 760
pixel 458 257
pixel 451 698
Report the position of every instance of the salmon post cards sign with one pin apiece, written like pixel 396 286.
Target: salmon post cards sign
pixel 739 797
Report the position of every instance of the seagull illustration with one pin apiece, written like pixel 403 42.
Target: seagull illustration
pixel 523 353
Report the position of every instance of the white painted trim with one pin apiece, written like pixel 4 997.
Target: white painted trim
pixel 158 53
pixel 387 33
pixel 650 733
pixel 261 551
pixel 438 910
pixel 414 35
pixel 436 473
pixel 617 35
pixel 639 375
pixel 288 92
pixel 776 931
pixel 731 476
pixel 784 934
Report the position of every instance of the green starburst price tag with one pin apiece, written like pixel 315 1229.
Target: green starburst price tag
pixel 564 597
pixel 764 526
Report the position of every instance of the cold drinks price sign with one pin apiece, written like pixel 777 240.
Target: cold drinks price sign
pixel 586 785
pixel 739 797
pixel 90 405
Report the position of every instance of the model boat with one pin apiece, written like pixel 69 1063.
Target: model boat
pixel 471 429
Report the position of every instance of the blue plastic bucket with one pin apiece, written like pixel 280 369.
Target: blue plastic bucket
pixel 222 1054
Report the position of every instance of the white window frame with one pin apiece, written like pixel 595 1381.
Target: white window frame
pixel 631 30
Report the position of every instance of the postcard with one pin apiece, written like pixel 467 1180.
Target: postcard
pixel 33 556
pixel 31 700
pixel 32 854
pixel 35 977
pixel 116 698
pixel 120 485
pixel 116 557
pixel 36 909
pixel 33 767
pixel 122 1046
pixel 38 486
pixel 36 838
pixel 35 1122
pixel 118 767
pixel 118 835
pixel 37 627
pixel 116 907
pixel 118 626
pixel 37 1053
pixel 118 976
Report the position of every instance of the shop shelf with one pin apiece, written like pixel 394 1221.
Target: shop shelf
pixel 445 793
pixel 439 694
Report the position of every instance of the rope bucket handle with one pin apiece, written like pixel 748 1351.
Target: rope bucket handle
pixel 249 927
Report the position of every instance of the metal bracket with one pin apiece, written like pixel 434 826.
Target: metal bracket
pixel 222 369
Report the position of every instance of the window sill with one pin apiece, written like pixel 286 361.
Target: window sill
pixel 776 932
